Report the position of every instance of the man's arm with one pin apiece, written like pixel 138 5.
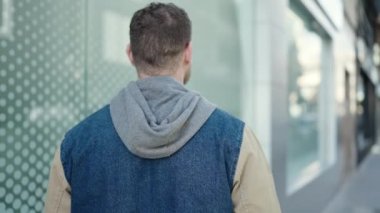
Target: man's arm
pixel 58 196
pixel 253 189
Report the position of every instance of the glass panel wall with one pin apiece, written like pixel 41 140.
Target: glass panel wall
pixel 107 37
pixel 41 93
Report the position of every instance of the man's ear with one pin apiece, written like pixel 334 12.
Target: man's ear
pixel 188 53
pixel 129 54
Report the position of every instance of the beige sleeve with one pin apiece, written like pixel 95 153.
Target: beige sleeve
pixel 58 196
pixel 253 188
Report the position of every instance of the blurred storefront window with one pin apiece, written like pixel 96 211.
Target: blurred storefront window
pixel 307 103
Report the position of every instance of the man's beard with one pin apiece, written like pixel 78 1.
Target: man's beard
pixel 187 76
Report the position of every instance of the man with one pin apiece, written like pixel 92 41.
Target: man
pixel 159 147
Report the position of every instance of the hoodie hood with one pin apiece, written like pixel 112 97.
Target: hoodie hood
pixel 156 116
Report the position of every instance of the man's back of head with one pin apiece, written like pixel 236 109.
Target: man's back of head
pixel 159 34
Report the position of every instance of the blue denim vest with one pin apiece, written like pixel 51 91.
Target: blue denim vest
pixel 106 177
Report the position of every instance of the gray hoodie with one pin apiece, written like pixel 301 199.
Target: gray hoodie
pixel 156 116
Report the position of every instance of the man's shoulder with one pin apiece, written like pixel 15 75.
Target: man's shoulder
pixel 94 123
pixel 229 131
pixel 226 124
pixel 221 115
pixel 81 137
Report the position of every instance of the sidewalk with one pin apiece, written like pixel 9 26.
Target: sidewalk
pixel 361 194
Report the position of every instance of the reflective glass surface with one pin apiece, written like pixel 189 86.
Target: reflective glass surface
pixel 41 93
pixel 304 97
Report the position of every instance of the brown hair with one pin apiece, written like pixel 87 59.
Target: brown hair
pixel 158 35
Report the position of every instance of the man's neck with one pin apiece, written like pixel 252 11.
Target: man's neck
pixel 176 75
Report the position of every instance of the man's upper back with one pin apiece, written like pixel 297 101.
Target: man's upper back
pixel 104 174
